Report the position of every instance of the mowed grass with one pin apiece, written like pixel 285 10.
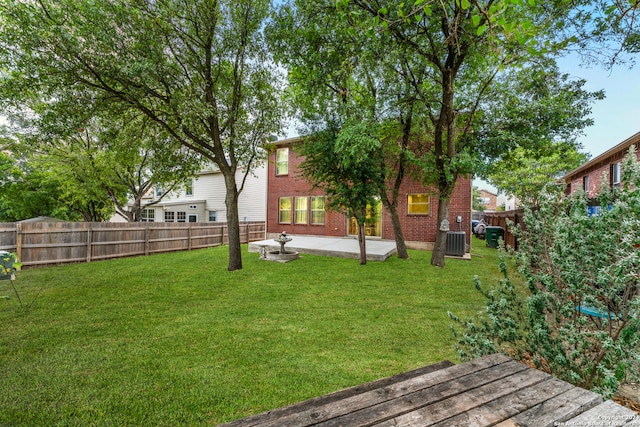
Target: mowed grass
pixel 176 339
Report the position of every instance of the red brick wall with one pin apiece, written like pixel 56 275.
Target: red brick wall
pixel 416 228
pixel 596 173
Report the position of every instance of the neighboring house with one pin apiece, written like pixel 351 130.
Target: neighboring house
pixel 488 200
pixel 607 166
pixel 295 207
pixel 203 199
pixel 511 203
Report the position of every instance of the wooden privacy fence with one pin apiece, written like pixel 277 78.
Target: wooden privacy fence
pixel 46 243
pixel 499 219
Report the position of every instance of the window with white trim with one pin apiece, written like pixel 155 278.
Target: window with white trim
pixel 301 210
pixel 317 210
pixel 616 177
pixel 282 161
pixel 284 210
pixel 148 215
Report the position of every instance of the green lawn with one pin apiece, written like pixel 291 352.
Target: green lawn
pixel 176 339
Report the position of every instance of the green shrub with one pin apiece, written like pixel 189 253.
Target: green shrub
pixel 579 319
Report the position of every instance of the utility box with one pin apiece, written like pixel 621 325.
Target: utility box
pixel 456 243
pixel 492 235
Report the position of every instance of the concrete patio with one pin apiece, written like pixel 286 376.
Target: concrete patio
pixel 346 247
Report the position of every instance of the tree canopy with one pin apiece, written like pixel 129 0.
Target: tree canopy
pixel 199 71
pixel 451 59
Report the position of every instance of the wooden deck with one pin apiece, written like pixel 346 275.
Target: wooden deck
pixel 490 391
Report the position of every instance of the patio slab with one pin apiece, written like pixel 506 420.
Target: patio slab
pixel 347 247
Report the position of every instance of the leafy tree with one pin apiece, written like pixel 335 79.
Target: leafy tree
pixel 580 320
pixel 476 202
pixel 29 190
pixel 524 172
pixel 199 71
pixel 605 31
pixel 340 163
pixel 459 50
pixel 339 76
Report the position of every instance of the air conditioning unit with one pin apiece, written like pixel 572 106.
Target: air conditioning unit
pixel 456 243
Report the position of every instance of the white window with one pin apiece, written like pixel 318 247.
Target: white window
pixel 189 188
pixel 182 216
pixel 213 216
pixel 284 216
pixel 148 215
pixel 317 210
pixel 585 184
pixel 301 210
pixel 169 216
pixel 282 161
pixel 615 175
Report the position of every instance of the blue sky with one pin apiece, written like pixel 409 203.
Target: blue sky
pixel 617 117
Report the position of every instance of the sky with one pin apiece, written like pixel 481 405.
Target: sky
pixel 616 118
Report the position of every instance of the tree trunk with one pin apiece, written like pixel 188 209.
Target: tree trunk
pixel 437 257
pixel 233 223
pixel 362 242
pixel 401 246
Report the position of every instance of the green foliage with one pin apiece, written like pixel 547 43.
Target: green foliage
pixel 9 264
pixel 525 172
pixel 346 164
pixel 572 262
pixel 200 73
pixel 476 203
pixel 30 189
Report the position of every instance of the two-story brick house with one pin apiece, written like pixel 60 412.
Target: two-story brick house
pixel 589 177
pixel 295 207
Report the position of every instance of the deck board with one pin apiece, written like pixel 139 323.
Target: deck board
pixel 490 391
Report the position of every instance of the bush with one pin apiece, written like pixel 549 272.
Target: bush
pixel 580 319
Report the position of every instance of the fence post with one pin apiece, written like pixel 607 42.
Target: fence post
pixel 19 241
pixel 189 237
pixel 147 231
pixel 89 242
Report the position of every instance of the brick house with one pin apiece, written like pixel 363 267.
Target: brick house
pixel 589 177
pixel 293 206
pixel 488 200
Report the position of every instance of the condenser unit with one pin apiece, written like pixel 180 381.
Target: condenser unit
pixel 456 243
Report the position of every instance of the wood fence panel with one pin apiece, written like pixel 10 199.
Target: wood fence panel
pixel 44 243
pixel 503 219
pixel 8 236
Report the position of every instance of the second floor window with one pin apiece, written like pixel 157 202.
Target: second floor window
pixel 585 184
pixel 615 175
pixel 282 161
pixel 189 188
